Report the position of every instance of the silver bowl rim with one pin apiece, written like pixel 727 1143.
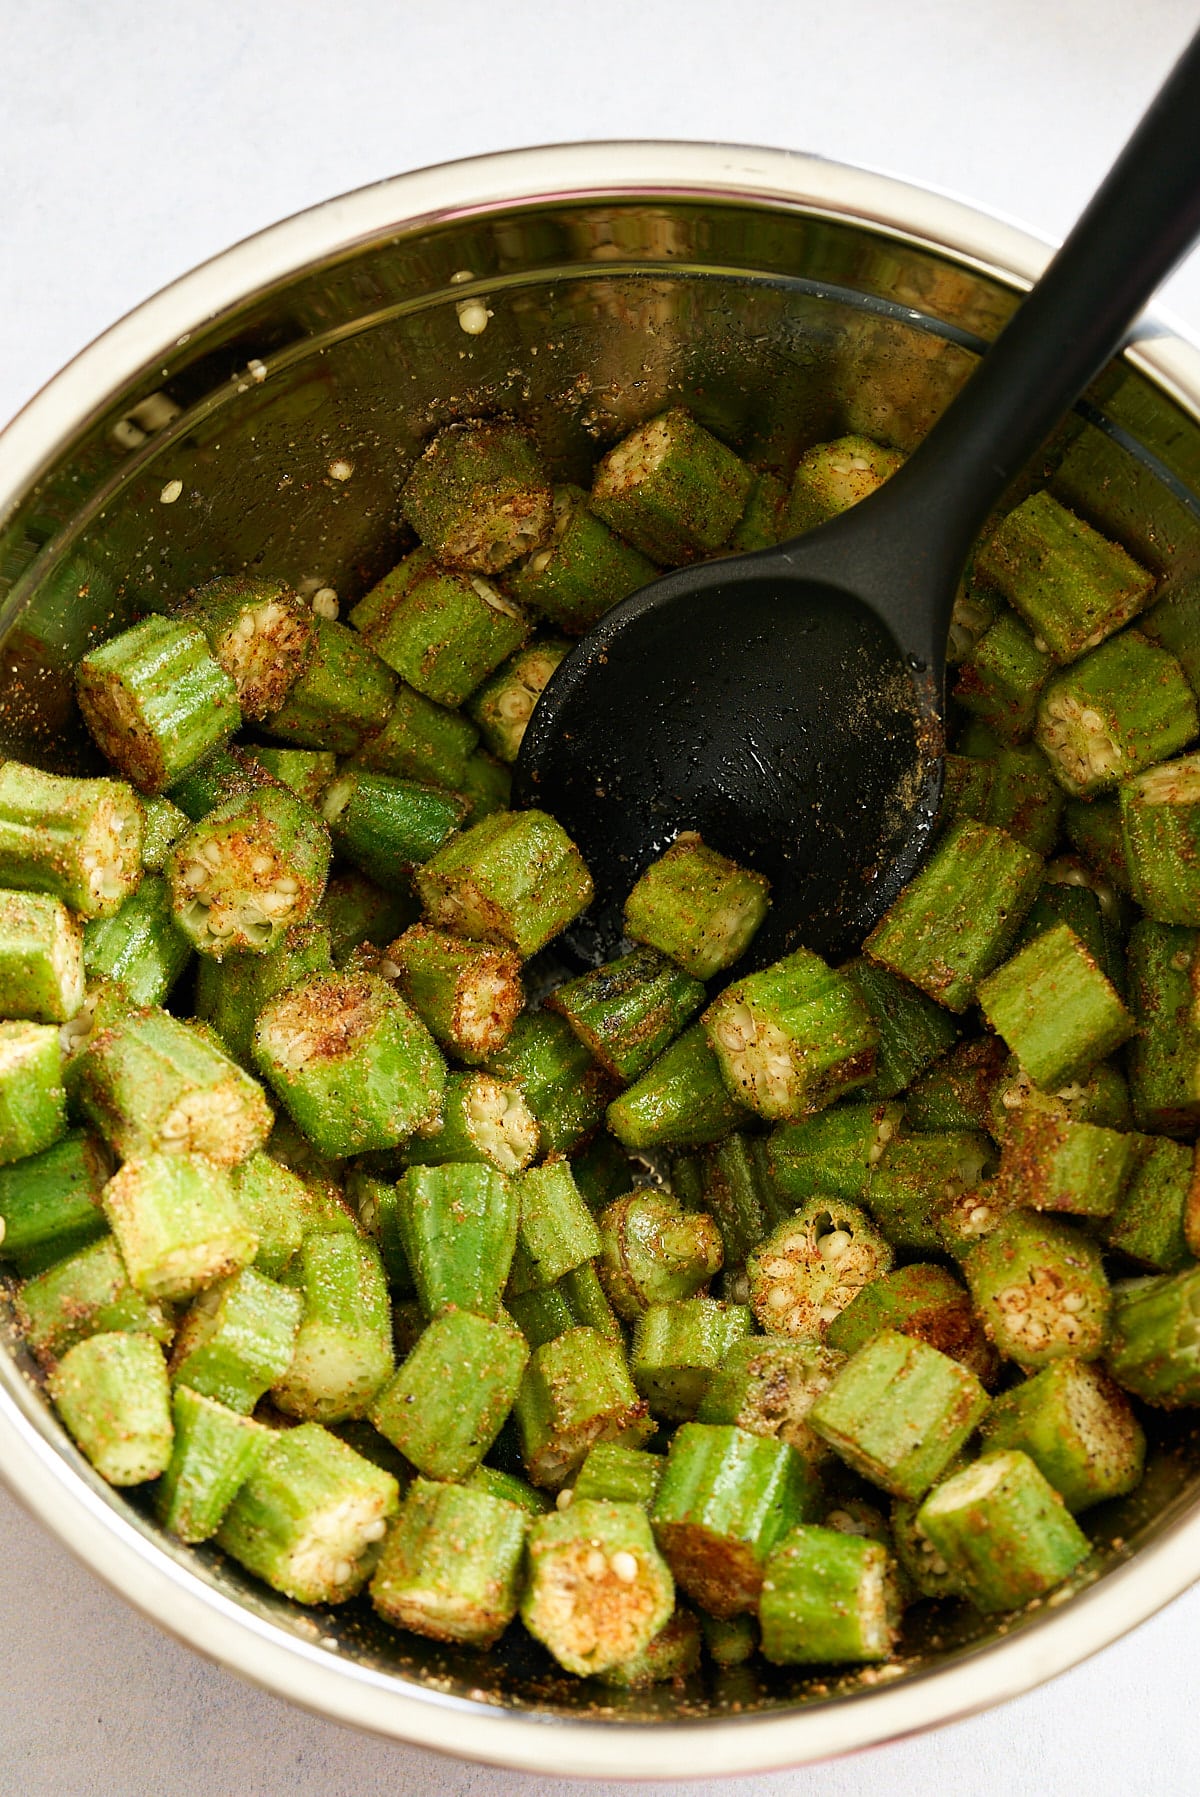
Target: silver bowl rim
pixel 32 1463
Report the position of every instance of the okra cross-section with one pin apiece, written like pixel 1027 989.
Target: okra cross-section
pixel 831 477
pixel 231 992
pixel 652 1252
pixel 451 1564
pixel 177 1224
pixel 79 840
pixel 445 1405
pixel 1039 1290
pixel 156 701
pixel 671 489
pixel 1124 707
pixel 1055 1008
pixel 768 1385
pixel 1004 1531
pixel 483 1119
pixel 467 993
pixel 503 705
pixel 812 1265
pixel 514 878
pixel 828 1598
pixel 598 1589
pixel 576 1391
pixel 1078 1428
pixel 252 867
pixel 627 1012
pixel 581 570
pixel 697 906
pixel 479 495
pixel 261 635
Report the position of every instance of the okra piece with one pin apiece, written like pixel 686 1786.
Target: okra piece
pixel 917 1560
pixel 1076 1426
pixel 306 772
pixel 730 1640
pixel 33 1103
pixel 344 694
pixel 761 523
pixel 442 630
pixel 674 1653
pixel 1102 1099
pixel 628 1011
pixel 966 790
pixel 343 1348
pixel 163 823
pixel 619 1475
pixel 50 1202
pixel 1123 708
pixel 154 1085
pixel 237 1340
pixel 1004 1531
pixel 976 608
pixel 451 1563
pixel 1055 1008
pixel 112 1394
pixel 681 1101
pixel 275 1203
pixel 177 1224
pixel 248 871
pixel 482 1120
pixel 356 1069
pixel 141 946
pixel 1172 621
pixel 958 1092
pixel 1154 1351
pixel 87 1294
pixel 260 634
pixel 898 1412
pixel 1160 823
pixel 224 773
pixel 1025 799
pixel 955 921
pixel 1093 828
pixel 215 1451
pixel 156 701
pixel 232 992
pixel 309 1519
pixel 509 1488
pixel 487 785
pixel 1148 1223
pixel 829 1598
pixel 922 1301
pixel 458 1225
pixel 516 878
pixel 556 1232
pixel 913 1031
pixel 1002 679
pixel 503 705
pixel 78 840
pixel 767 1386
pixel 598 1589
pixel 811 1266
pixel 479 495
pixel 725 1498
pixel 1039 1290
pixel 354 910
pixel 671 489
pixel 468 994
pixel 963 1220
pixel 738 1195
pixel 697 906
pixel 386 826
pixel 563 1086
pixel 577 1391
pixel 577 1300
pixel 833 1154
pixel 377 1204
pixel 420 741
pixel 679 1347
pixel 1063 902
pixel 1051 1163
pixel 1163 1059
pixel 41 958
pixel 831 477
pixel 444 1407
pixel 652 1252
pixel 917 1177
pixel 1072 586
pixel 581 570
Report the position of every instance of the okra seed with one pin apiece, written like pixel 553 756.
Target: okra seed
pixel 1073 1301
pixel 375 1531
pixel 624 1567
pixel 595 1565
pixel 834 1245
pixel 565 1498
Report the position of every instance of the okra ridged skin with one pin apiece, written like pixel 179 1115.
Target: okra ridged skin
pixel 738 1194
pixel 237 1340
pixel 1055 1008
pixel 215 1451
pixel 445 1405
pixel 619 1475
pixel 1122 708
pixel 306 772
pixel 955 921
pixel 674 1654
pixel 78 840
pixel 163 823
pixel 697 906
pixel 479 496
pixel 386 826
pixel 259 633
pixel 225 772
pixel 442 631
pixel 628 1011
pixel 1163 1058
pixel 1148 1225
pixel 482 1120
pixel 828 1598
pixel 33 1102
pixel 761 523
pixel 679 1347
pixel 918 1177
pixel 1160 827
pixel 468 994
pixel 509 1488
pixel 487 784
pixel 767 1386
pixel 504 704
pixel 576 1391
pixel 112 1394
pixel 921 1300
pixel 41 959
pixel 232 992
pixel 309 1519
pixel 1077 1427
pixel 578 1300
pixel 252 868
pixel 913 1031
pixel 564 1088
pixel 556 1232
pixel 652 1252
pixel 1093 829
pixel 516 878
pixel 831 477
pixel 87 1294
pixel 344 694
pixel 1052 1163
pixel 141 946
pixel 725 1498
pixel 343 1347
pixel 177 1224
pixel 156 701
pixel 832 1154
pixel 50 1203
pixel 421 740
pixel 598 1590
pixel 354 1066
pixel 451 1564
pixel 681 1101
pixel 458 1225
pixel 581 571
pixel 811 1266
pixel 1004 1531
pixel 1154 1348
pixel 1040 1290
pixel 671 489
pixel 1002 679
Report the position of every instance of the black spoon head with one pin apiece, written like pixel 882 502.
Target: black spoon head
pixel 773 714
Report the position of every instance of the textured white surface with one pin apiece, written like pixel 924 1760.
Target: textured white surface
pixel 137 138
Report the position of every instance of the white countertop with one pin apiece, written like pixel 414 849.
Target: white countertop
pixel 137 139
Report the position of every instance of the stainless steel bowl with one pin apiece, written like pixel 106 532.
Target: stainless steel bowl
pixel 261 413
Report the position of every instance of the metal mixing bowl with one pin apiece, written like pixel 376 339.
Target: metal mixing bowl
pixel 261 413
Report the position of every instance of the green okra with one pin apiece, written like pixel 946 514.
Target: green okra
pixel 153 1084
pixel 671 489
pixel 1154 1349
pixel 259 632
pixel 1163 1059
pixel 725 1498
pixel 479 496
pixel 111 1391
pixel 1172 622
pixel 957 1092
pixel 386 826
pixel 768 1385
pixel 274 1202
pixel 224 773
pixel 156 701
pixel 730 1640
pixel 577 1300
pixel 1064 902
pixel 377 1204
pixel 516 878
pixel 761 523
pixel 1052 1163
pixel 33 1112
pixel 898 1412
pixel 1093 828
pixel 78 840
pixel 963 1219
pixel 921 1300
pixel 252 868
pixel 598 1589
pixel 441 630
pixel 1004 1531
pixel 487 785
pixel 976 608
pixel 556 1231
pixel 1072 586
pixel 354 1066
pixel 89 1293
pixel 343 1347
pixel 917 1560
pixel 50 1202
pixel 1102 1098
pixel 1039 1290
pixel 468 994
pixel 482 1120
pixel 831 477
pixel 681 1101
pixel 576 1391
pixel 232 992
pixel 1147 1224
pixel 214 1452
pixel 828 1598
pixel 177 1224
pixel 966 790
pixel 674 1653
pixel 1076 1426
pixel 563 1086
pixel 309 1519
pixel 913 1031
pixel 420 741
pixel 458 1226
pixel 917 1177
pixel 1025 799
pixel 1160 824
pixel 451 1563
pixel 832 1154
pixel 343 695
pixel 1002 679
pixel 679 1347
pixel 163 823
pixel 237 1339
pixel 737 1194
pixel 503 705
pixel 685 1179
pixel 619 1475
pixel 697 906
pixel 141 946
pixel 306 772
pixel 445 1405
pixel 628 1011
pixel 581 570
pixel 652 1252
pixel 1055 1008
pixel 41 958
pixel 354 910
pixel 509 1488
pixel 811 1266
pixel 954 922
pixel 1123 708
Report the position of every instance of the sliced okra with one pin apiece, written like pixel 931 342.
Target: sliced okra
pixel 1077 1427
pixel 458 1225
pixel 487 784
pixel 674 1653
pixel 1056 1009
pixel 833 1154
pixel 811 1266
pixel 222 774
pixel 451 1562
pixel 306 772
pixel 556 1232
pixel 1154 1351
pixel 354 910
pixel 89 1293
pixel 509 1488
pixel 163 823
pixel 41 958
pixel 514 878
pixel 1004 1531
pixel 377 1203
pixel 1000 681
pixel 156 701
pixel 957 1092
pixel 482 1120
pixel 628 1011
pixel 274 1201
pixel 177 1224
pixel 251 869
pixel 140 946
pixel 681 1101
pixel 420 741
pixel 577 1390
pixel 259 632
pixel 79 840
pixel 921 1300
pixel 761 523
pixel 1124 707
pixel 1102 1098
pixel 344 694
pixel 563 1086
pixel 215 1450
pixel 1163 1059
pixel 443 631
pixel 653 1252
pixel 832 477
pixel 1039 1290
pixel 467 993
pixel 111 1391
pixel 1052 1163
pixel 578 1300
pixel 598 1589
pixel 671 489
pixel 445 1405
pixel 913 1031
pixel 1025 799
pixel 738 1194
pixel 581 570
pixel 678 1348
pixel 233 991
pixel 1160 823
pixel 386 826
pixel 697 906
pixel 917 1177
pixel 1148 1222
pixel 730 1640
pixel 619 1475
pixel 343 1349
pixel 829 1598
pixel 50 1202
pixel 33 1102
pixel 479 496
pixel 768 1386
pixel 1093 829
pixel 237 1339
pixel 503 705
